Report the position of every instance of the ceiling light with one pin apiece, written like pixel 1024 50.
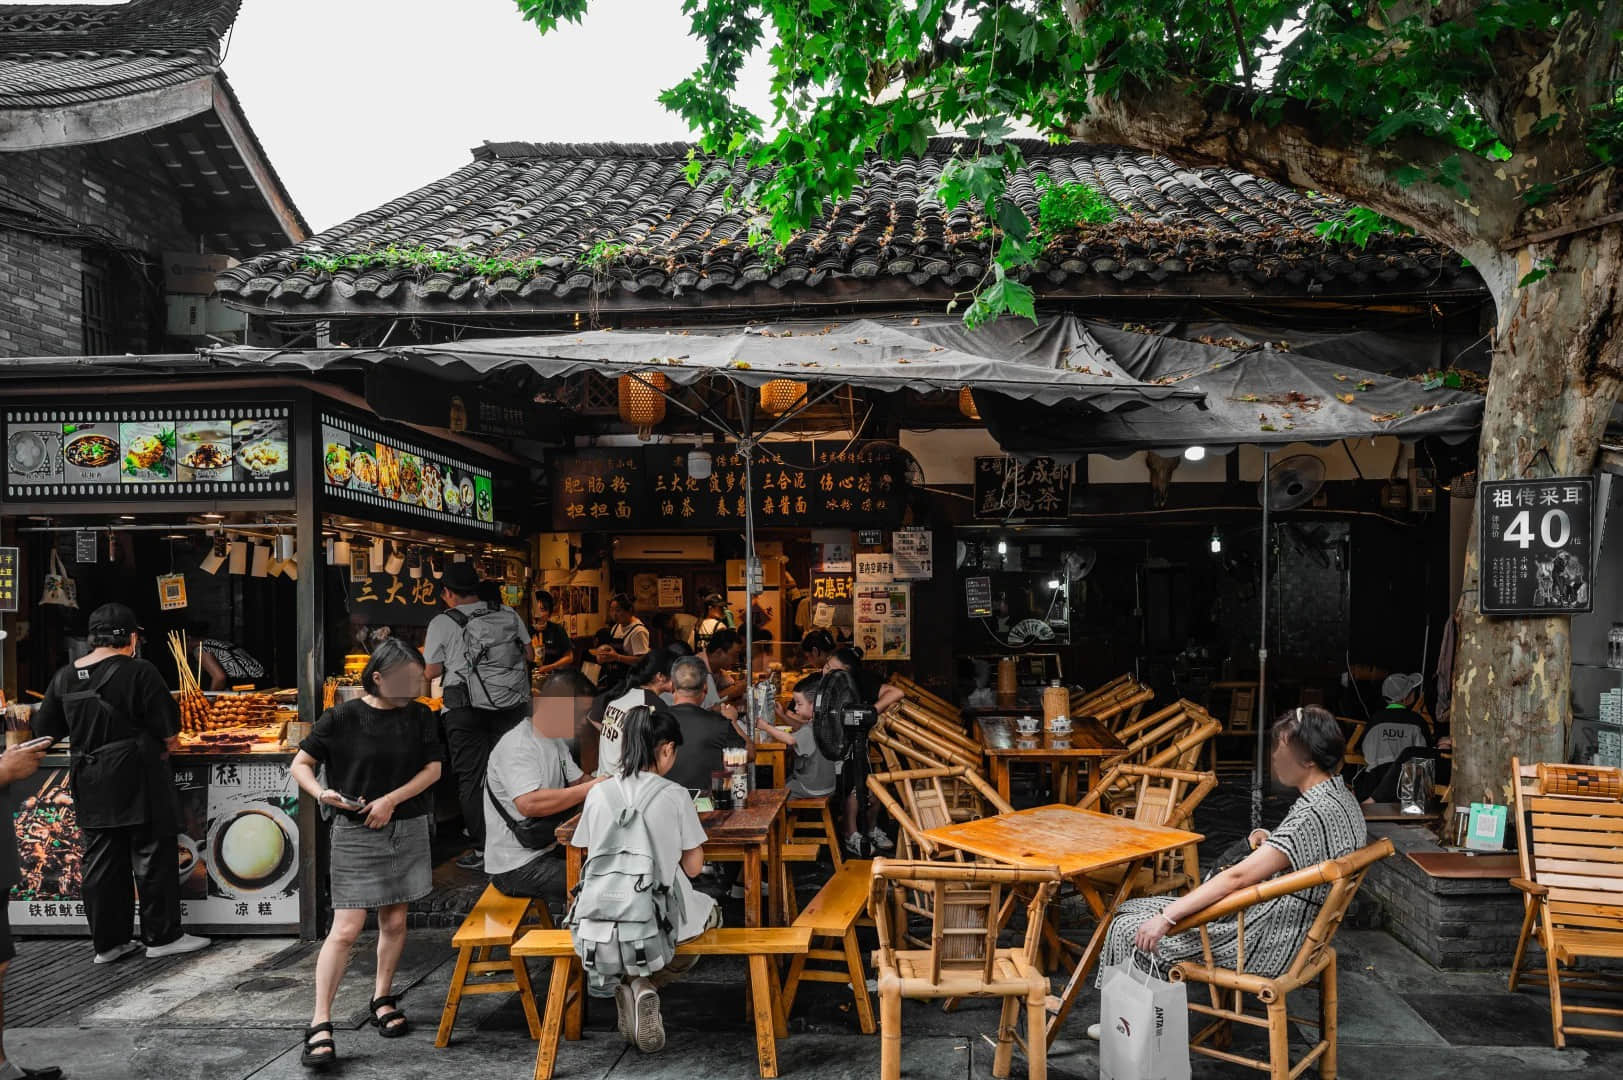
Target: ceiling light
pixel 1195 453
pixel 1002 547
pixel 1217 542
pixel 212 516
pixel 1053 583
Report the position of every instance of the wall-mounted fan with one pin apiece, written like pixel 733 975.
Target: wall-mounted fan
pixel 1291 483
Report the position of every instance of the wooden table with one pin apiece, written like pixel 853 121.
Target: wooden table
pixel 752 835
pixel 1079 842
pixel 774 756
pixel 1391 811
pixel 1071 756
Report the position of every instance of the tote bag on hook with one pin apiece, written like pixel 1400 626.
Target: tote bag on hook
pixel 60 589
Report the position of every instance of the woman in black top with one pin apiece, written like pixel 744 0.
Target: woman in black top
pixel 881 696
pixel 381 753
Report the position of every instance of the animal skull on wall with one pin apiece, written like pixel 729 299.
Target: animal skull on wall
pixel 1161 470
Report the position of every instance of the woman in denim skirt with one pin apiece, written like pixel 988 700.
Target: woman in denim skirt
pixel 381 753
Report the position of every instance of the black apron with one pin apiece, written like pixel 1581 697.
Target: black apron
pixel 124 781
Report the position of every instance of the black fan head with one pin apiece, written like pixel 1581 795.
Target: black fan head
pixel 835 694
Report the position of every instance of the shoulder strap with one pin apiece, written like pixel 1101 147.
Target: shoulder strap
pixel 497 803
pixel 458 617
pixel 108 668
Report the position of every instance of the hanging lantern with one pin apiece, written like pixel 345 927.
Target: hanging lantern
pixel 781 395
pixel 642 402
pixel 966 404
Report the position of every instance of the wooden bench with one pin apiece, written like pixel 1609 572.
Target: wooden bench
pixel 495 922
pixel 756 943
pixel 833 913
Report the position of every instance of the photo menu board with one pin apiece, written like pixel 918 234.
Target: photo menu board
pixel 183 451
pixel 361 464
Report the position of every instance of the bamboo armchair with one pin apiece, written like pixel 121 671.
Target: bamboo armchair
pixel 1570 821
pixel 1175 742
pixel 901 729
pixel 962 958
pixel 1159 797
pixel 1313 965
pixel 925 698
pixel 1083 702
pixel 1117 713
pixel 950 732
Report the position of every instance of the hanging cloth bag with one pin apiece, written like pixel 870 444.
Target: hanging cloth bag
pixel 60 589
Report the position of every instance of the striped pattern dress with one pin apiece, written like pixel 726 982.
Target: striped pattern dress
pixel 1325 823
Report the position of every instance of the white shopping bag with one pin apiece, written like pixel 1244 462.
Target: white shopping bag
pixel 1143 1026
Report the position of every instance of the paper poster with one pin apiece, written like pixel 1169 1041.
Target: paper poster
pixel 670 593
pixel 836 558
pixel 873 568
pixel 171 591
pixel 883 628
pixel 911 555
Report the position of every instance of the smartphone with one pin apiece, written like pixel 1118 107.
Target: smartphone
pixel 36 744
pixel 349 802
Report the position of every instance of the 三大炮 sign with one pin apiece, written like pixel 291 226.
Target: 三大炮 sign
pixel 1536 546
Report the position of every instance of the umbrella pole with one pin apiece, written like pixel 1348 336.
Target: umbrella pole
pixel 1260 771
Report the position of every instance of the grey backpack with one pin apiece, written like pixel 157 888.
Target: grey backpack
pixel 497 674
pixel 622 918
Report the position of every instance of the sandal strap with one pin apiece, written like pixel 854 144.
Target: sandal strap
pixel 316 1029
pixel 386 999
pixel 390 1017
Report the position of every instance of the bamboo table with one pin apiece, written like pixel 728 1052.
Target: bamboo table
pixel 751 835
pixel 1071 756
pixel 1080 843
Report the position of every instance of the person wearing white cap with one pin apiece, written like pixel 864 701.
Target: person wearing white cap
pixel 1396 729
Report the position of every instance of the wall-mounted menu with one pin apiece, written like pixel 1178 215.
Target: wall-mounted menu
pixel 364 465
pixel 793 483
pixel 184 451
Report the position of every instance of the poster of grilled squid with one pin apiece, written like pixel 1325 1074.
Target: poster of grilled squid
pixel 238 854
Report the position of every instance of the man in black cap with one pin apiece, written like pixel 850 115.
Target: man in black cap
pixel 16 764
pixel 482 654
pixel 122 723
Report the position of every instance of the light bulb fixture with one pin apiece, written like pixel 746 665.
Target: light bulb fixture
pixel 379 555
pixel 1002 547
pixel 700 464
pixel 1195 453
pixel 1217 542
pixel 1053 583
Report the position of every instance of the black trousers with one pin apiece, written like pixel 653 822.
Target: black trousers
pixel 118 862
pixel 469 735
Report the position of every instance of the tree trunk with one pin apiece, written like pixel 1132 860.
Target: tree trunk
pixel 1554 382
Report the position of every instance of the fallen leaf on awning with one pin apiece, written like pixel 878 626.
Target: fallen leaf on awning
pixel 1382 418
pixel 1345 398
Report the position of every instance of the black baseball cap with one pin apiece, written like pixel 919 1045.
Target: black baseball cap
pixel 461 578
pixel 114 620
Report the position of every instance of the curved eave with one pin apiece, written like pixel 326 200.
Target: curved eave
pixel 99 121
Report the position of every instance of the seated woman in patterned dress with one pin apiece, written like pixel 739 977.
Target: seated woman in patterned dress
pixel 1325 823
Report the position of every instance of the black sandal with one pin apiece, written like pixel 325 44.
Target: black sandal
pixel 392 1024
pixel 319 1060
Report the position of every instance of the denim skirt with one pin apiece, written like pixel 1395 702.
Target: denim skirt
pixel 373 868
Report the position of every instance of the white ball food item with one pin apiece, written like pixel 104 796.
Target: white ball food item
pixel 252 847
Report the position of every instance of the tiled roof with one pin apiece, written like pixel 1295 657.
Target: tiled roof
pixel 675 245
pixel 68 54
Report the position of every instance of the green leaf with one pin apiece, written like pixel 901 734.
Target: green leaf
pixel 1012 220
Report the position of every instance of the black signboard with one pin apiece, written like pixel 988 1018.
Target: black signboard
pixel 394 599
pixel 796 484
pixel 1006 488
pixel 379 470
pixel 1536 545
pixel 8 579
pixel 978 597
pixel 218 449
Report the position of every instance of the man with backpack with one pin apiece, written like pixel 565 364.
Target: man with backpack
pixel 482 655
pixel 122 722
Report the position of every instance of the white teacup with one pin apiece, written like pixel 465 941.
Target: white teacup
pixel 1060 727
pixel 1028 725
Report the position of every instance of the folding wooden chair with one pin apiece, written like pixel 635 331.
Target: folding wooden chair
pixel 1165 797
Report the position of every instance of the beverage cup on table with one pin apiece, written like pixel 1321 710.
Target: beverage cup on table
pixel 1028 725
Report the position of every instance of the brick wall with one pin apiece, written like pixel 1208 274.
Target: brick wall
pixel 118 187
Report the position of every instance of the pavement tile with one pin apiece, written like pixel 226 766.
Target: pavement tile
pixel 1486 1019
pixel 134 1052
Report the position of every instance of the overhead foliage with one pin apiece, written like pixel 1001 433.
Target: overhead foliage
pixel 1434 96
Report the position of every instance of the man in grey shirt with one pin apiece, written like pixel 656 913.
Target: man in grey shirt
pixel 532 776
pixel 481 655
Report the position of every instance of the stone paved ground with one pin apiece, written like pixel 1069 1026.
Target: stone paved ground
pixel 235 1012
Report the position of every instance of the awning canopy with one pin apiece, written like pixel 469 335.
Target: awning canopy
pixel 1258 396
pixel 1051 364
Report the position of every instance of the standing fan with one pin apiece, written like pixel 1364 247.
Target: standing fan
pixel 1293 482
pixel 837 692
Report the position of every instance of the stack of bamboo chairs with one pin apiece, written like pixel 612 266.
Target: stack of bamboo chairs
pixel 1570 821
pixel 1169 738
pixel 1165 797
pixel 1116 704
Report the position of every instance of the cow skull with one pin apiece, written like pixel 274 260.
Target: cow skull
pixel 1161 470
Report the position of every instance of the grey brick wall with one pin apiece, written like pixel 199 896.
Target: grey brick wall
pixel 118 187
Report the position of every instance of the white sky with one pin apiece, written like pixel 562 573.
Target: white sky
pixel 360 101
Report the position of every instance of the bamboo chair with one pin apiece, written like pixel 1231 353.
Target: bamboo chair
pixel 1122 712
pixel 962 958
pixel 929 700
pixel 1082 701
pixel 1570 821
pixel 1165 797
pixel 1313 966
pixel 1355 740
pixel 953 753
pixel 963 797
pixel 1175 743
pixel 950 732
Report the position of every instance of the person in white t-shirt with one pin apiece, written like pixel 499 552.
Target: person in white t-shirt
pixel 643 686
pixel 649 744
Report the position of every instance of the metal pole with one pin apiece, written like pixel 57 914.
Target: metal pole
pixel 746 449
pixel 1260 771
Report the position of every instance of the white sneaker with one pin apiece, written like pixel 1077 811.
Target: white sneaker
pixel 879 840
pixel 853 846
pixel 185 943
pixel 1093 1032
pixel 118 952
pixel 625 1005
pixel 649 1025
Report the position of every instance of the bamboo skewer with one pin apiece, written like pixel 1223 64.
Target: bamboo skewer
pixel 195 710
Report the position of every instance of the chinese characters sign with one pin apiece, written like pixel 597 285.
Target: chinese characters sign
pixel 363 466
pixel 394 599
pixel 1536 545
pixel 650 488
pixel 8 579
pixel 1006 488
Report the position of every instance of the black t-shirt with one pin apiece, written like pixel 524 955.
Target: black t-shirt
pixel 555 643
pixel 370 752
pixel 704 735
pixel 135 690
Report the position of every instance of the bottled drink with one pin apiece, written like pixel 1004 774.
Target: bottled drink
pixel 1614 646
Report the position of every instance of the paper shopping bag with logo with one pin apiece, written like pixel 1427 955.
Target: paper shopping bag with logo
pixel 1143 1026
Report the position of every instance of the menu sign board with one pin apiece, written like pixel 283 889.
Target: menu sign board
pixel 1006 488
pixel 8 579
pixel 239 848
pixel 364 466
pixel 394 599
pixel 186 451
pixel 1537 545
pixel 978 597
pixel 797 483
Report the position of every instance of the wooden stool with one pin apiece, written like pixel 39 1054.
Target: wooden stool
pixel 833 913
pixel 496 922
pixel 812 822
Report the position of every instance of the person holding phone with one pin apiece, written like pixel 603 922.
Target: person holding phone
pixel 16 764
pixel 381 753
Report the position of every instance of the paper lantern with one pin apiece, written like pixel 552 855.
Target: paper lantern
pixel 781 395
pixel 642 402
pixel 966 403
